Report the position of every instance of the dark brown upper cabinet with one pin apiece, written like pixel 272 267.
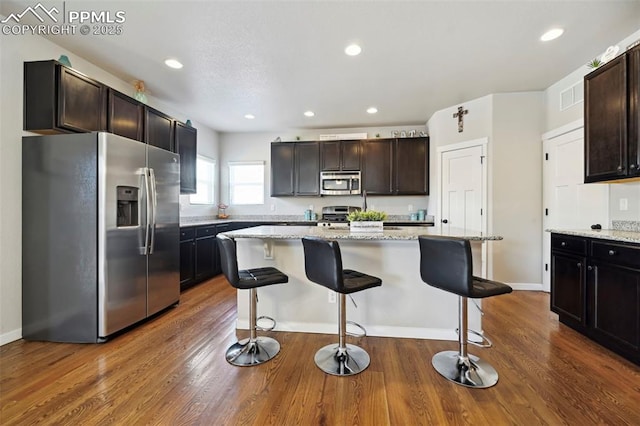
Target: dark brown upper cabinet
pixel 411 166
pixel 58 99
pixel 282 166
pixel 377 160
pixel 307 168
pixel 612 116
pixel 158 129
pixel 396 166
pixel 295 169
pixel 187 146
pixel 340 155
pixel 126 116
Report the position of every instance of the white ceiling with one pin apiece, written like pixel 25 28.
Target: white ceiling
pixel 277 59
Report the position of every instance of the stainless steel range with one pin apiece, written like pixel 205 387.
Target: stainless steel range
pixel 336 216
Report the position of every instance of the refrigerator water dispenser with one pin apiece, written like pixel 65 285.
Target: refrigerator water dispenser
pixel 127 206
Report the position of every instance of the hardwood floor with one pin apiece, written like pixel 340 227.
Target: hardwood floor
pixel 172 371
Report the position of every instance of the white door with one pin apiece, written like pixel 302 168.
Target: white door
pixel 462 188
pixel 569 203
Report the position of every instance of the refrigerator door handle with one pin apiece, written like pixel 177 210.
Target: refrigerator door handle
pixel 154 202
pixel 145 249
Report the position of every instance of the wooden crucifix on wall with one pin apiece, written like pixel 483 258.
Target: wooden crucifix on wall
pixel 460 116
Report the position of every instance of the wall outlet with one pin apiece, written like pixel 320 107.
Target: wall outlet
pixel 273 207
pixel 624 204
pixel 331 296
pixel 410 208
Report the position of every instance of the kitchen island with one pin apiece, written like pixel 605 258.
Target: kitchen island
pixel 403 306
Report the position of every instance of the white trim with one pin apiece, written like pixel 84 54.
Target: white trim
pixel 569 127
pixel 462 145
pixel 527 286
pixel 487 267
pixel 11 336
pixel 379 331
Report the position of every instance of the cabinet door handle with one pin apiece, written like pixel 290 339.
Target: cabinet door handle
pixel 633 166
pixel 590 268
pixel 563 244
pixel 612 252
pixel 620 168
pixel 579 265
pixel 445 221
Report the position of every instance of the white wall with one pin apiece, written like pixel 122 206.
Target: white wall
pixel 14 50
pixel 512 123
pixel 257 147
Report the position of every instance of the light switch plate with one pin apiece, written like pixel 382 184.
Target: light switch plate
pixel 624 204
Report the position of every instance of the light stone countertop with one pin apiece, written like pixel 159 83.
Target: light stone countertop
pixel 389 233
pixel 604 234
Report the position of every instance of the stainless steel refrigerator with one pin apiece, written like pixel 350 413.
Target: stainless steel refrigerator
pixel 100 235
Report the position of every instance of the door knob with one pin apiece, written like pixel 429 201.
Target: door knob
pixel 445 221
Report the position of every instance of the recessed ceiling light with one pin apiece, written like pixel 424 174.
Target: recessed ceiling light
pixel 552 34
pixel 249 116
pixel 173 63
pixel 353 50
pixel 372 110
pixel 309 113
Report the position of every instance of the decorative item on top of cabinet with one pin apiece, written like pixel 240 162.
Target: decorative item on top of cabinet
pixel 140 89
pixel 186 140
pixel 58 99
pixel 612 119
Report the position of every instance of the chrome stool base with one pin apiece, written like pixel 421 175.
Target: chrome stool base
pixel 352 361
pixel 478 374
pixel 246 353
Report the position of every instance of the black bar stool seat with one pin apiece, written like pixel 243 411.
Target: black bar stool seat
pixel 446 263
pixel 256 349
pixel 323 265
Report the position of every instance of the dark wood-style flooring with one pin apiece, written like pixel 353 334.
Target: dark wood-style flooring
pixel 172 371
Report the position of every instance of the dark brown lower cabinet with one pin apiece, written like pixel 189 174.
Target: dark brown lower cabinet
pixel 595 289
pixel 198 255
pixel 187 258
pixel 567 286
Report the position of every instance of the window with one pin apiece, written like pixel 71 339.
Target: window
pixel 205 178
pixel 246 182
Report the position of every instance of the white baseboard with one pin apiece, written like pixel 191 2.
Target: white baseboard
pixel 376 331
pixel 11 336
pixel 526 286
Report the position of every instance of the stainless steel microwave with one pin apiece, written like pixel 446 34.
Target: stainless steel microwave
pixel 340 183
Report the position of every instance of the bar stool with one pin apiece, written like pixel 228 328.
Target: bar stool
pixel 254 350
pixel 323 265
pixel 446 263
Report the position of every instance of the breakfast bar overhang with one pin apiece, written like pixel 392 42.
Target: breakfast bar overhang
pixel 404 306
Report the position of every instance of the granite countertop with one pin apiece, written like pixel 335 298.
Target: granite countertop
pixel 604 234
pixel 395 233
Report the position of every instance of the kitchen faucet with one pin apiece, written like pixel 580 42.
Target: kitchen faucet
pixel 364 201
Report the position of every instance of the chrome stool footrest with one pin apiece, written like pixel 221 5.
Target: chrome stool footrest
pixel 364 331
pixel 265 317
pixel 481 336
